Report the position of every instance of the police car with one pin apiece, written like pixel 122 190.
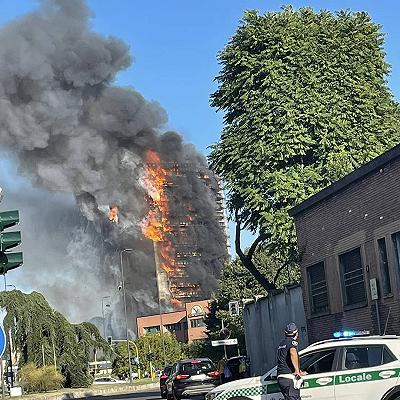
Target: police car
pixel 349 367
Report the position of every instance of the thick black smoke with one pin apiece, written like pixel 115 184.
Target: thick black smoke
pixel 73 131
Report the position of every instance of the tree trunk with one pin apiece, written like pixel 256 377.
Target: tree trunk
pixel 247 260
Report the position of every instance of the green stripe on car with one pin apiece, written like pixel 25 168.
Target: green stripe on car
pixel 310 383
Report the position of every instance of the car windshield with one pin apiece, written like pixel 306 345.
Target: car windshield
pixel 196 367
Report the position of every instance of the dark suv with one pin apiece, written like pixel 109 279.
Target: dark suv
pixel 163 379
pixel 192 378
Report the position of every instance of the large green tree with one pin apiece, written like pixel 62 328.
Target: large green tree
pixel 41 334
pixel 305 101
pixel 150 343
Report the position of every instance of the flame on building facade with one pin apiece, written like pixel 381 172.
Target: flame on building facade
pixel 170 223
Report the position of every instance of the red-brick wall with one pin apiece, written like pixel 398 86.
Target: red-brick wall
pixel 357 216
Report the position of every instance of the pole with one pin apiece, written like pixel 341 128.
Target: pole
pixel 159 305
pixel 223 327
pixel 378 317
pixel 104 322
pixel 151 366
pixel 137 357
pixel 44 362
pixel 95 362
pixel 126 315
pixel 11 363
pixel 2 378
pixel 54 354
pixel 9 341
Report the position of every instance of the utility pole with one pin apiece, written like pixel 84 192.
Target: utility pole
pixel 125 312
pixel 9 341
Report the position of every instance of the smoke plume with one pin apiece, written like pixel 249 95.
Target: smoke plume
pixel 71 130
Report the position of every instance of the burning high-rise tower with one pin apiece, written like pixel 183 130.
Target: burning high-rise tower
pixel 173 224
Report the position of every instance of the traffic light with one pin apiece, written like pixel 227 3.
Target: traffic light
pixel 234 308
pixel 8 240
pixel 109 340
pixel 150 356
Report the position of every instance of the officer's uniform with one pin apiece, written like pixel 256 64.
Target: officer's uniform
pixel 285 367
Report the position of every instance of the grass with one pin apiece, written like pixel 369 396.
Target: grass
pixel 135 382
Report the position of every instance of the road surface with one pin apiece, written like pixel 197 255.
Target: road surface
pixel 142 395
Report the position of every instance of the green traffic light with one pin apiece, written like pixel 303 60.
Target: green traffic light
pixel 8 240
pixel 8 219
pixel 9 261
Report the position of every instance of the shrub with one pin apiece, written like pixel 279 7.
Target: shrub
pixel 42 379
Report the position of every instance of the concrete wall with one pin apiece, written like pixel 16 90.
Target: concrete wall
pixel 265 321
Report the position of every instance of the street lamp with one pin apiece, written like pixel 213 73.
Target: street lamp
pixel 126 316
pixel 102 310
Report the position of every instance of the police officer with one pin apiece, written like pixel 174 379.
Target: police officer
pixel 288 364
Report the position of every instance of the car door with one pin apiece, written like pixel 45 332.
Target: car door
pixel 366 371
pixel 170 378
pixel 320 366
pixel 318 384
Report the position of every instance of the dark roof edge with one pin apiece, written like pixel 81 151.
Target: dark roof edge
pixel 341 184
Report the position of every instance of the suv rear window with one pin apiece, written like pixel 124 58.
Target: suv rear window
pixel 366 356
pixel 196 367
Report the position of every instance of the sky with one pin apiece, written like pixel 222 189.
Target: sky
pixel 175 44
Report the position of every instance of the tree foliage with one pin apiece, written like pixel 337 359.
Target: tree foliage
pixel 150 343
pixel 40 379
pixel 305 101
pixel 237 284
pixel 39 330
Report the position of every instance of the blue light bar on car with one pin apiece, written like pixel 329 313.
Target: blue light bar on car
pixel 349 334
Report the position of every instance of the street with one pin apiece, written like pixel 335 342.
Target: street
pixel 141 395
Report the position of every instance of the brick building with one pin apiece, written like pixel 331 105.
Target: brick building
pixel 188 324
pixel 349 240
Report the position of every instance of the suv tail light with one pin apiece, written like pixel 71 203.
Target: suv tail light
pixel 213 374
pixel 182 376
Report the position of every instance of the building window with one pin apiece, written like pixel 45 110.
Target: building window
pixel 318 288
pixel 352 277
pixel 384 265
pixel 197 323
pixel 396 244
pixel 152 329
pixel 172 327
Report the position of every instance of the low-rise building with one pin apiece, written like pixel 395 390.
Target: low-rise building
pixel 188 324
pixel 349 241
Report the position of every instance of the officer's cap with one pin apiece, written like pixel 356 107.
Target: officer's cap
pixel 291 329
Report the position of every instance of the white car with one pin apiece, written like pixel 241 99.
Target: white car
pixel 106 380
pixel 357 368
